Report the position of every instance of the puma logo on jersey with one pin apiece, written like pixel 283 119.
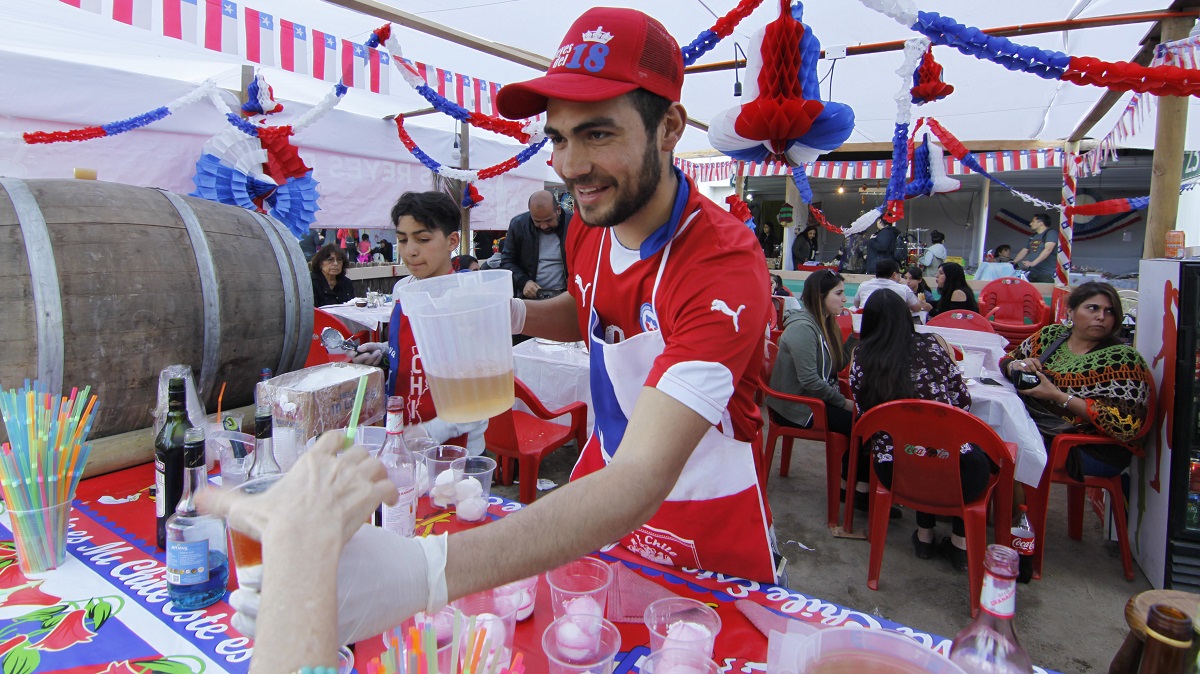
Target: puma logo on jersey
pixel 582 289
pixel 719 305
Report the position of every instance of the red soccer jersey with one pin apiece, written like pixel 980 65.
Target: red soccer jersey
pixel 712 305
pixel 406 376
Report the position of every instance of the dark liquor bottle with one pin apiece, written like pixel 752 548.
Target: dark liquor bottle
pixel 197 559
pixel 168 459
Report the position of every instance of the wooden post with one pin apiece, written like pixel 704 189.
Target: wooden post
pixel 1167 169
pixel 982 216
pixel 1066 227
pixel 247 78
pixel 464 148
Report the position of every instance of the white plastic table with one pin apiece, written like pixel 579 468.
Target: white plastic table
pixel 365 318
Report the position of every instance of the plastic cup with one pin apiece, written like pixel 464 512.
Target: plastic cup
pixel 462 326
pixel 370 438
pixel 526 591
pixel 418 446
pixel 345 660
pixel 495 609
pixel 247 552
pixel 580 644
pixel 41 537
pixel 439 460
pixel 971 364
pixel 469 505
pixel 678 661
pixel 868 651
pixel 580 587
pixel 678 623
pixel 856 322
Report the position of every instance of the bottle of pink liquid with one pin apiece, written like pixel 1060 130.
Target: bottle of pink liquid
pixel 989 644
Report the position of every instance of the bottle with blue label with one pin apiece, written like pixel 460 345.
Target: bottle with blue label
pixel 197 559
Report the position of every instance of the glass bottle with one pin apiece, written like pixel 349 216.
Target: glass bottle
pixel 402 470
pixel 1168 640
pixel 197 559
pixel 263 462
pixel 168 459
pixel 989 644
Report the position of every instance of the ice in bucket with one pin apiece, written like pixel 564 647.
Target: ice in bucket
pixel 462 327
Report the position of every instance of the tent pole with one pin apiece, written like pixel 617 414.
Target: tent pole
pixel 1066 228
pixel 1167 169
pixel 791 194
pixel 464 146
pixel 247 78
pixel 985 194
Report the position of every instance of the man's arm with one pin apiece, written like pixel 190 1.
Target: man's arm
pixel 587 514
pixel 1047 249
pixel 554 318
pixel 1020 256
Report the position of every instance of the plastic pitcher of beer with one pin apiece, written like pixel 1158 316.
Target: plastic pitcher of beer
pixel 462 327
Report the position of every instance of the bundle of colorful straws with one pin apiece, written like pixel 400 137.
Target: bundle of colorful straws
pixel 43 460
pixel 414 650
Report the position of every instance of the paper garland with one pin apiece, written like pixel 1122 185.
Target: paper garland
pixel 465 175
pixel 723 28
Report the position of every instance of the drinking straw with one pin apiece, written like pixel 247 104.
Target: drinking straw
pixel 431 663
pixel 454 646
pixel 220 399
pixel 352 429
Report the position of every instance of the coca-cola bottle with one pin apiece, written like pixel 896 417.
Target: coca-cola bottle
pixel 989 644
pixel 1023 542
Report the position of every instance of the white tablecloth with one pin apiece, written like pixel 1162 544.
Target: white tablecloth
pixel 557 374
pixel 361 318
pixel 990 271
pixel 1000 406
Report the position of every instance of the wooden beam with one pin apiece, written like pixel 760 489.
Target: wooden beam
pixel 1167 169
pixel 886 148
pixel 420 24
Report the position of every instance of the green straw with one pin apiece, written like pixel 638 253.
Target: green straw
pixel 352 429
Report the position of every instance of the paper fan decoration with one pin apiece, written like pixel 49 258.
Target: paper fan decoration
pixel 927 81
pixel 242 152
pixel 928 170
pixel 783 118
pixel 740 210
pixel 260 98
pixel 471 196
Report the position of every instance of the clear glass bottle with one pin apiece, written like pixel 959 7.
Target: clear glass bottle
pixel 168 459
pixel 402 470
pixel 263 462
pixel 197 559
pixel 989 644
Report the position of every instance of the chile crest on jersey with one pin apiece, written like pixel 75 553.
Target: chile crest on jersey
pixel 647 318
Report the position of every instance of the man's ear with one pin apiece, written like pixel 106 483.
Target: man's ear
pixel 672 126
pixel 454 239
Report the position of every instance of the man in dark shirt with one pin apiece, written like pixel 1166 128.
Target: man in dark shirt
pixel 1042 262
pixel 533 248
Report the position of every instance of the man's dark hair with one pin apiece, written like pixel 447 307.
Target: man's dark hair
pixel 1040 216
pixel 652 108
pixel 936 236
pixel 1003 248
pixel 436 210
pixel 886 268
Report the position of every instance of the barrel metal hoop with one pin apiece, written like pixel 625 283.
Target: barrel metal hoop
pixel 289 291
pixel 304 296
pixel 43 276
pixel 209 293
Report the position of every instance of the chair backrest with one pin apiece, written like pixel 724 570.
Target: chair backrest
pixel 502 428
pixel 926 440
pixel 846 324
pixel 963 319
pixel 777 320
pixel 1013 299
pixel 765 391
pixel 317 354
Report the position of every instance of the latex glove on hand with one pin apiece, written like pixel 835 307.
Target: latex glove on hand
pixel 382 580
pixel 370 353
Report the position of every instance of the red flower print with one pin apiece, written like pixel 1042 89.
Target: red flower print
pixel 67 633
pixel 120 668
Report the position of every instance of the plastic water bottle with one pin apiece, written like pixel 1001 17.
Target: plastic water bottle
pixel 1024 543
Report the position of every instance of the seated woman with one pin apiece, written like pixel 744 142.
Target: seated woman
pixel 1089 381
pixel 916 282
pixel 953 291
pixel 777 287
pixel 894 362
pixel 330 283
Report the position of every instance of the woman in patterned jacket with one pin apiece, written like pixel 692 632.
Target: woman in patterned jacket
pixel 1089 381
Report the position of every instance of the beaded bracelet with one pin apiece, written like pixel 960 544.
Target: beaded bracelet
pixel 317 670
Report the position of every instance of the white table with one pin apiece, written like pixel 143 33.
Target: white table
pixel 367 318
pixel 557 373
pixel 1001 406
pixel 990 271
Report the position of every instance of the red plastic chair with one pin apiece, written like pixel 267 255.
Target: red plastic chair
pixel 528 438
pixel 836 444
pixel 846 323
pixel 1009 302
pixel 962 319
pixel 776 321
pixel 317 354
pixel 1056 473
pixel 931 483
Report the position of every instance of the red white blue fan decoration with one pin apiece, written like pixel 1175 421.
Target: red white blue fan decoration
pixel 783 118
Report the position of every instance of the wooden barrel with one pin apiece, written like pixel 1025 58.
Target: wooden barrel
pixel 105 285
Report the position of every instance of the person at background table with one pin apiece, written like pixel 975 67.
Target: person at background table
pixel 804 248
pixel 1037 257
pixel 311 242
pixel 535 249
pixel 887 277
pixel 915 280
pixel 882 245
pixel 810 357
pixel 329 280
pixel 427 235
pixel 1090 382
pixel 464 263
pixel 676 353
pixel 953 290
pixel 933 257
pixel 777 287
pixel 893 362
pixel 384 248
pixel 1003 253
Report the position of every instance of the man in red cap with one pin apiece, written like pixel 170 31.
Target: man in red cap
pixel 669 290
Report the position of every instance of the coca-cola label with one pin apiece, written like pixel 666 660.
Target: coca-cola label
pixel 1022 544
pixel 999 596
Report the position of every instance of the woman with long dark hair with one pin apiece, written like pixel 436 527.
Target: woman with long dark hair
pixel 894 362
pixel 954 293
pixel 916 282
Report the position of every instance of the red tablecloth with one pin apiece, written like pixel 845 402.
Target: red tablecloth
pixel 106 609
